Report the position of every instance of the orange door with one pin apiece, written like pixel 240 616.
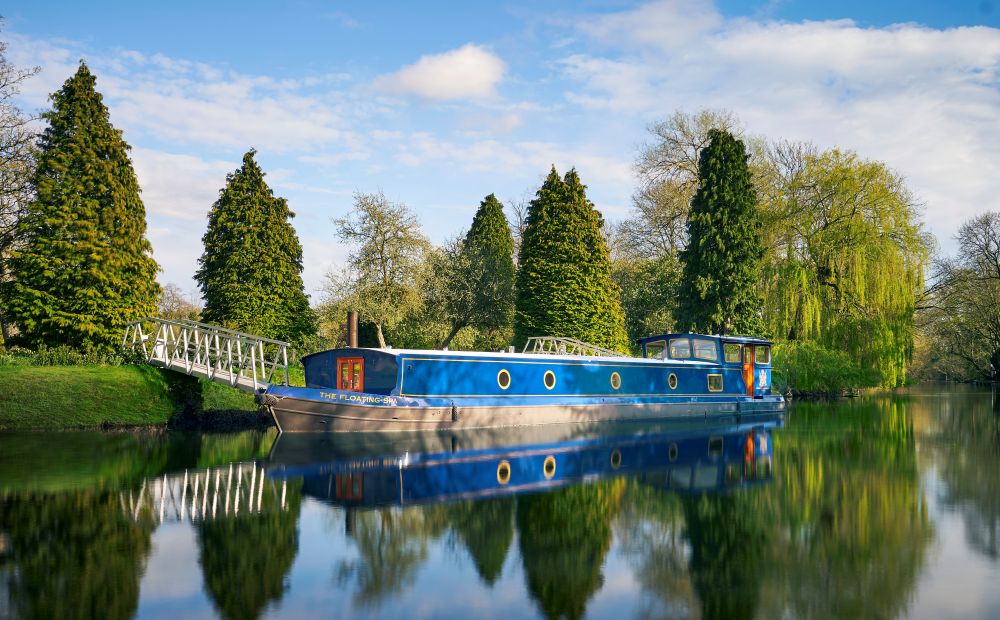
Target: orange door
pixel 748 368
pixel 351 374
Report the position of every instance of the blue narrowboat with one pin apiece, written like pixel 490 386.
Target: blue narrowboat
pixel 554 380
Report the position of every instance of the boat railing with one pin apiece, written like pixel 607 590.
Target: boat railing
pixel 245 361
pixel 560 345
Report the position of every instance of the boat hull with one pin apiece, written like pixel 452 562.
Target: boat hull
pixel 305 410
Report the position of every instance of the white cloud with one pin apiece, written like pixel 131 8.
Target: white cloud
pixel 469 72
pixel 667 25
pixel 922 100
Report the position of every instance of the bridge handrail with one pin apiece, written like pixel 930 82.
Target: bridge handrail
pixel 242 360
pixel 562 345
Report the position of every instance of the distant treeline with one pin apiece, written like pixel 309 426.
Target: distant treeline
pixel 822 250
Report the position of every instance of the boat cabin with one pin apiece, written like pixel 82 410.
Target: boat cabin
pixel 751 355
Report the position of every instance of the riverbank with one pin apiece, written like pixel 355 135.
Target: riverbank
pixel 109 396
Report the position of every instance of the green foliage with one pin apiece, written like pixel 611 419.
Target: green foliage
pixel 807 368
pixel 84 269
pixel 961 323
pixel 245 560
pixel 564 284
pixel 486 527
pixel 250 273
pixel 382 279
pixel 847 259
pixel 648 293
pixel 480 275
pixel 721 263
pixel 564 536
pixel 75 555
pixel 66 356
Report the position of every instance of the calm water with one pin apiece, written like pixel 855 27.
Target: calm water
pixel 877 508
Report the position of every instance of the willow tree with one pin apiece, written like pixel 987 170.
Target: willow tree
pixel 84 267
pixel 847 262
pixel 251 270
pixel 721 263
pixel 564 285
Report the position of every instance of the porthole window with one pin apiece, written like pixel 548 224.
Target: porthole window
pixel 616 380
pixel 549 467
pixel 503 379
pixel 503 472
pixel 549 379
pixel 672 381
pixel 616 459
pixel 672 452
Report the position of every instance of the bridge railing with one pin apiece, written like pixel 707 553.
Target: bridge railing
pixel 559 345
pixel 242 360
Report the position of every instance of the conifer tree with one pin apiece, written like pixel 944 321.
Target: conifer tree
pixel 485 273
pixel 721 263
pixel 250 273
pixel 564 285
pixel 85 268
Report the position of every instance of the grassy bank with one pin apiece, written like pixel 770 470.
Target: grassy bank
pixel 89 396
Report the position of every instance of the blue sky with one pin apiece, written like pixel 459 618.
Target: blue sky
pixel 439 104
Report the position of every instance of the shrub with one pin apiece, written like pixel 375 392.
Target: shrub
pixel 805 368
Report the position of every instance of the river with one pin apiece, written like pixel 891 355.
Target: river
pixel 877 507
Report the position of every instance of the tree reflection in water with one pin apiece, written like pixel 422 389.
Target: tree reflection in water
pixel 73 554
pixel 486 529
pixel 564 537
pixel 245 559
pixel 969 461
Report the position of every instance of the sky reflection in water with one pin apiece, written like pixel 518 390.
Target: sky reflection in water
pixel 884 507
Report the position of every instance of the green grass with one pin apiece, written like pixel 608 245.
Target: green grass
pixel 218 397
pixel 50 397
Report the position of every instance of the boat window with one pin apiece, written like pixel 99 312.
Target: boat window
pixel 680 348
pixel 714 383
pixel 654 350
pixel 616 380
pixel 549 379
pixel 705 349
pixel 732 352
pixel 672 381
pixel 763 355
pixel 503 379
pixel 351 374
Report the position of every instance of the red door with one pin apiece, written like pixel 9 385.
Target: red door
pixel 351 374
pixel 748 368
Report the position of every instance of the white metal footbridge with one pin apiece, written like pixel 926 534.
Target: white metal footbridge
pixel 201 495
pixel 242 360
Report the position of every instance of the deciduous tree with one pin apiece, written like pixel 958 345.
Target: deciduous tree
pixel 381 279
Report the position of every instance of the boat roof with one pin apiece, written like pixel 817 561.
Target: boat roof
pixel 725 337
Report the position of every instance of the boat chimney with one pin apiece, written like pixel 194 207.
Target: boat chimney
pixel 352 329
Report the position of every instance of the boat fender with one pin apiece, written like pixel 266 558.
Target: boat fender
pixel 454 412
pixel 263 398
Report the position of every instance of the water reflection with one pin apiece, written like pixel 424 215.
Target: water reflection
pixel 832 515
pixel 562 491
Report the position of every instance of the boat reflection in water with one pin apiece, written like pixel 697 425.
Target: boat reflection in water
pixel 384 469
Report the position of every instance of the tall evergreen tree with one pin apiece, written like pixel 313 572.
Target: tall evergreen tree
pixel 251 271
pixel 85 268
pixel 564 285
pixel 486 273
pixel 722 261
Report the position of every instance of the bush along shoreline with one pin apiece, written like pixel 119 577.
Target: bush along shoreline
pixel 63 388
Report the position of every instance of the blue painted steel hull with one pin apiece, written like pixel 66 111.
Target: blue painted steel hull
pixel 429 390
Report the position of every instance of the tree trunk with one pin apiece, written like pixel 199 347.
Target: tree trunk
pixel 381 338
pixel 455 328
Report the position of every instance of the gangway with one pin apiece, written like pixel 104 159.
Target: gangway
pixel 244 361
